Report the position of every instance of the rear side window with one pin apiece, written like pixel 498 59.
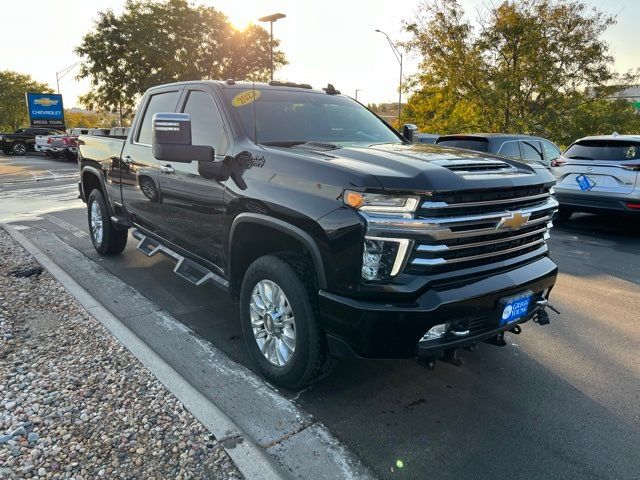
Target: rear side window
pixel 510 149
pixel 160 102
pixel 468 143
pixel 531 150
pixel 620 150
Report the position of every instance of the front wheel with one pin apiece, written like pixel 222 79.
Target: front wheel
pixel 104 236
pixel 280 321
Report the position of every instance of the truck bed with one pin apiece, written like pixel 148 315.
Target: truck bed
pixel 100 148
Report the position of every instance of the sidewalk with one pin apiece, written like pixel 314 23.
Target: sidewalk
pixel 74 403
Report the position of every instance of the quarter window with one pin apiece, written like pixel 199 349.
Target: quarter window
pixel 160 102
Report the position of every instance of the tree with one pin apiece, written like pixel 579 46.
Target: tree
pixel 13 106
pixel 155 42
pixel 531 66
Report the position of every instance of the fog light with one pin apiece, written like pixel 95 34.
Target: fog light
pixel 435 332
pixel 382 258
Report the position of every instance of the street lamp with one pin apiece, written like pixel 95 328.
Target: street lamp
pixel 271 19
pixel 358 90
pixel 398 55
pixel 63 73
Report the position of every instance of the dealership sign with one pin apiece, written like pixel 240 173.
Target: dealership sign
pixel 45 110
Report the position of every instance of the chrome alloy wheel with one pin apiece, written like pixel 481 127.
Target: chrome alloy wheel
pixel 272 321
pixel 97 229
pixel 19 149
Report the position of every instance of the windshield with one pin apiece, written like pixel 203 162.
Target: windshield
pixel 468 143
pixel 620 150
pixel 288 117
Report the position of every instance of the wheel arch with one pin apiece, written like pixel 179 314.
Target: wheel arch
pixel 247 233
pixel 91 178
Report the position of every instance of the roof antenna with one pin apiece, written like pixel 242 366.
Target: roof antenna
pixel 255 116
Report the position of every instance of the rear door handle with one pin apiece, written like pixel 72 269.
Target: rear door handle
pixel 128 160
pixel 168 169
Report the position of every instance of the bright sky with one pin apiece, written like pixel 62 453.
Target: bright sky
pixel 328 41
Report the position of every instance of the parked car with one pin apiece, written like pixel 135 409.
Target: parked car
pixel 338 237
pixel 599 175
pixel 518 147
pixel 23 140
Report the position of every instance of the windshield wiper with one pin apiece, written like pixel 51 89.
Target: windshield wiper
pixel 283 144
pixel 580 157
pixel 310 145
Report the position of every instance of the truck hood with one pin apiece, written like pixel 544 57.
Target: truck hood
pixel 420 167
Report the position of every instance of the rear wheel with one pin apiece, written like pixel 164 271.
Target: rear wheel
pixel 105 238
pixel 280 321
pixel 19 149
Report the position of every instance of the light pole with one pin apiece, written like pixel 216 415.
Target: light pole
pixel 357 90
pixel 271 19
pixel 63 73
pixel 398 54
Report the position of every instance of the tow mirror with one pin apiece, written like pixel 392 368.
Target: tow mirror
pixel 172 140
pixel 409 131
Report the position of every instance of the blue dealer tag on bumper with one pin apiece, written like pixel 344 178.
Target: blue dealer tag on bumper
pixel 515 307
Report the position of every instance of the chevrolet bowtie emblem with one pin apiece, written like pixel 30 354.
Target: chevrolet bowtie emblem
pixel 46 102
pixel 514 221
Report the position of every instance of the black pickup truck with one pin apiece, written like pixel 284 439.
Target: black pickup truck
pixel 337 235
pixel 23 140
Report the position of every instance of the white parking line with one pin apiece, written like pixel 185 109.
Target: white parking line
pixel 67 226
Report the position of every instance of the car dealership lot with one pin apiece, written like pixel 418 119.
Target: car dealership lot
pixel 559 401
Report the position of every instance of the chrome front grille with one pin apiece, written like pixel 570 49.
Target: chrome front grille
pixel 472 231
pixel 453 231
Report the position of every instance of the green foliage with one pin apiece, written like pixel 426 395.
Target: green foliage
pixel 13 104
pixel 531 66
pixel 156 42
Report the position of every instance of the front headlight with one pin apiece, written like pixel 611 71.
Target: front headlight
pixel 382 258
pixel 375 202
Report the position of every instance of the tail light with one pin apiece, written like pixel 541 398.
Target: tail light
pixel 633 206
pixel 65 141
pixel 49 140
pixel 558 162
pixel 632 166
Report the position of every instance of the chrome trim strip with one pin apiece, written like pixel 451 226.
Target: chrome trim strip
pixel 446 248
pixel 430 225
pixel 431 262
pixel 432 205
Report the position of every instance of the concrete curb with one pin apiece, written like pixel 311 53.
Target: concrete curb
pixel 286 443
pixel 252 461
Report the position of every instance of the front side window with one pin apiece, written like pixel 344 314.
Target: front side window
pixel 206 124
pixel 510 149
pixel 550 150
pixel 160 102
pixel 531 150
pixel 291 117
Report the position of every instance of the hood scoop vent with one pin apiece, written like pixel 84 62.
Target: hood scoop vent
pixel 477 167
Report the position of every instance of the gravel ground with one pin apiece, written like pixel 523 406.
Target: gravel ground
pixel 74 403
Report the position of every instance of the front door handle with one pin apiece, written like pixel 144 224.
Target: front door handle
pixel 168 169
pixel 128 160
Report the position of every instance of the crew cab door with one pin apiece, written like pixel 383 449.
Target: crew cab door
pixel 139 169
pixel 193 201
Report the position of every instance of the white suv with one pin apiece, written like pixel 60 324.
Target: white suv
pixel 599 175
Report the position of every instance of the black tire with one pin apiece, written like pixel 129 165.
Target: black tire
pixel 112 241
pixel 70 155
pixel 562 216
pixel 19 149
pixel 311 359
pixel 55 155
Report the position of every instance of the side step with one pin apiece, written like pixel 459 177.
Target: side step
pixel 191 271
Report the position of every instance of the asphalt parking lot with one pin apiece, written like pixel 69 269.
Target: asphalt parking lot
pixel 560 401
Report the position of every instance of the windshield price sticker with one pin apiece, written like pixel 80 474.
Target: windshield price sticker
pixel 245 98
